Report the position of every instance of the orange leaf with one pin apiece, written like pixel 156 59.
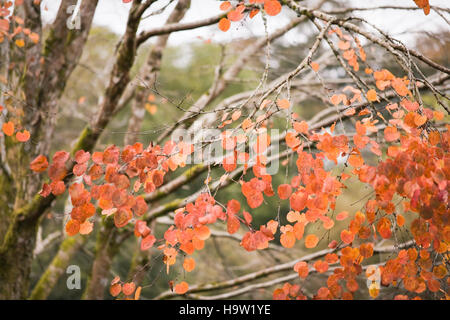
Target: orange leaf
pixel 419 120
pixel 299 230
pixel 391 134
pixel 311 241
pixel 247 124
pixel 352 285
pixel 287 239
pixel 302 269
pixel 86 227
pixel 181 288
pixel 137 294
pixel 8 128
pixel 438 115
pixel 291 140
pixel 336 99
pixel 321 266
pixel 284 191
pixel 344 45
pixel 72 227
pixel 342 216
pixel 347 237
pixel 115 289
pixel 298 200
pixel 34 37
pixel 189 264
pixel 315 66
pixel 224 6
pixel 355 160
pixel 39 164
pixel 224 24
pixel 253 13
pixel 331 258
pixel 20 43
pixel 372 95
pixel 400 87
pixel 235 15
pixel 333 244
pixel 283 103
pixel 423 4
pixel 301 127
pixel 147 242
pixel 58 187
pixel 248 217
pixel 128 288
pixel 236 115
pixel 23 136
pixel 202 232
pixel 233 224
pixel 400 220
pixel 327 222
pixel 350 112
pixel 272 7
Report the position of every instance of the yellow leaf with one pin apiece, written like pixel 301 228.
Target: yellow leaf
pixel 20 43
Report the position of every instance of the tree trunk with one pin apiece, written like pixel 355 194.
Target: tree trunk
pixel 16 256
pixel 42 85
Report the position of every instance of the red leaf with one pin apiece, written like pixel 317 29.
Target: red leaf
pixel 128 288
pixel 39 164
pixel 147 242
pixel 284 191
pixel 298 200
pixel 23 136
pixel 233 224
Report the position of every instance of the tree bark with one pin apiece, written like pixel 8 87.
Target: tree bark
pixel 16 256
pixel 43 85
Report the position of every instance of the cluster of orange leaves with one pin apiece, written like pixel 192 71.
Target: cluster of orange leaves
pixel 8 21
pixel 416 169
pixel 113 197
pixel 12 28
pixel 237 13
pixel 128 289
pixel 8 129
pixel 349 53
pixel 383 78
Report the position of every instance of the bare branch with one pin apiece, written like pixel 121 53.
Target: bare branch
pixel 169 28
pixel 351 27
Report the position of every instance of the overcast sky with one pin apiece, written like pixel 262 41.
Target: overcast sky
pixel 113 14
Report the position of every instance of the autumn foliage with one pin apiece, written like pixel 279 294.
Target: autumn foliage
pixel 396 148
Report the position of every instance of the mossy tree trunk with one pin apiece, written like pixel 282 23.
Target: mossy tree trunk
pixel 16 256
pixel 48 65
